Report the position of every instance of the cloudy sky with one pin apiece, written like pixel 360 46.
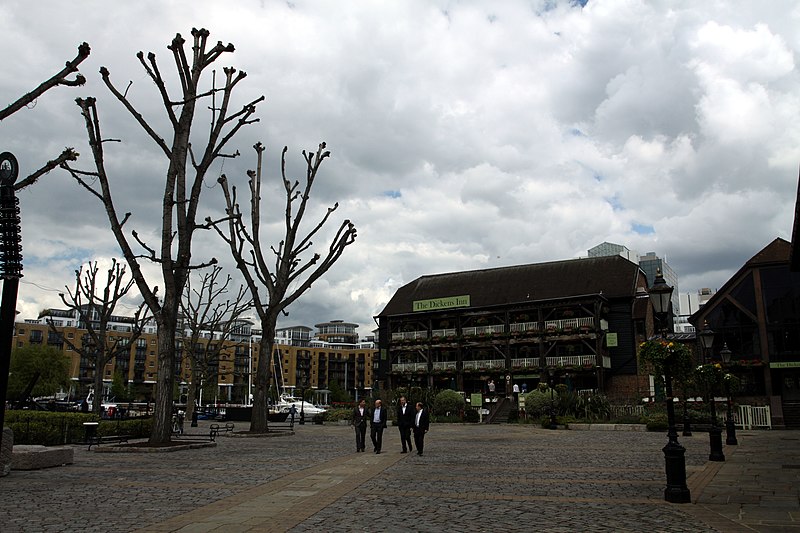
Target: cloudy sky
pixel 464 134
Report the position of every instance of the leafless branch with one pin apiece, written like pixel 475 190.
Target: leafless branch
pixel 59 78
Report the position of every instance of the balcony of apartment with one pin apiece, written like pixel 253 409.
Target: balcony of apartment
pixel 410 367
pixel 410 336
pixel 576 362
pixel 587 361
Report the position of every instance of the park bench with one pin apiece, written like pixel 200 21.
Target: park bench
pixel 97 440
pixel 216 429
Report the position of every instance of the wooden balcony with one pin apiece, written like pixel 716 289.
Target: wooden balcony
pixel 409 335
pixel 409 367
pixel 487 364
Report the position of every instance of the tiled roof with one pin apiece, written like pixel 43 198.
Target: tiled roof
pixel 612 276
pixel 778 251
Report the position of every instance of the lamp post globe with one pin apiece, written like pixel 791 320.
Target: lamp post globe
pixel 706 336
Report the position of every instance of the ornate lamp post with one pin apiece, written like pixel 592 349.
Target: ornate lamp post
pixel 715 433
pixel 674 454
pixel 10 268
pixel 730 426
pixel 706 336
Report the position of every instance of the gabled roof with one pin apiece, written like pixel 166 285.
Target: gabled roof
pixel 613 277
pixel 777 252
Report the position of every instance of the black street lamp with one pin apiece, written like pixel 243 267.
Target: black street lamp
pixel 674 454
pixel 730 426
pixel 706 336
pixel 551 381
pixel 715 433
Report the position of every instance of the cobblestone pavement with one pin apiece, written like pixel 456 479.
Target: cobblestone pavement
pixel 471 478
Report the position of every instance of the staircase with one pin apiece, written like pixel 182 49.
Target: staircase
pixel 499 414
pixel 791 414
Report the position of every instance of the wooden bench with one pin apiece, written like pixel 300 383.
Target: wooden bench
pixel 98 440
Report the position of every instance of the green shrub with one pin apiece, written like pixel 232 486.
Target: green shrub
pixel 472 416
pixel 334 415
pixel 537 402
pixel 448 403
pixel 657 423
pixel 47 428
pixel 445 419
pixel 58 428
pixel 134 427
pixel 592 407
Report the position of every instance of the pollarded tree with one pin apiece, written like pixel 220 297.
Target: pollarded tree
pixel 94 301
pixel 185 174
pixel 62 77
pixel 286 271
pixel 212 326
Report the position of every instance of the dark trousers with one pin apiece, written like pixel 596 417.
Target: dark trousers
pixel 405 437
pixel 376 434
pixel 419 439
pixel 361 435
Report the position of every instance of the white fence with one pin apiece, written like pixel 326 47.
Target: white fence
pixel 749 417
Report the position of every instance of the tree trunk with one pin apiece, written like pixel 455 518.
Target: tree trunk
pixel 97 401
pixel 162 412
pixel 258 420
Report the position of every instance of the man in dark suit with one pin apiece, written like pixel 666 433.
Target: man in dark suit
pixel 377 418
pixel 421 424
pixel 359 421
pixel 405 421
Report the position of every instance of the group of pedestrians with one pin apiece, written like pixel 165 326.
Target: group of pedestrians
pixel 408 421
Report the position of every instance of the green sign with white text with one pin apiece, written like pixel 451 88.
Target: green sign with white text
pixel 788 364
pixel 611 340
pixel 440 303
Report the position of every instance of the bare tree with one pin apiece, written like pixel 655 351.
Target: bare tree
pixel 95 311
pixel 60 78
pixel 212 324
pixel 288 269
pixel 181 196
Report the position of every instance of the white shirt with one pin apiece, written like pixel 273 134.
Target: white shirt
pixel 419 414
pixel 377 416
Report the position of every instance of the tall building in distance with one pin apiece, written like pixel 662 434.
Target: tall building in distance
pixel 650 263
pixel 608 249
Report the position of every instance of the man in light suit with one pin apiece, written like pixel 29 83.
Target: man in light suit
pixel 359 421
pixel 378 418
pixel 421 424
pixel 405 421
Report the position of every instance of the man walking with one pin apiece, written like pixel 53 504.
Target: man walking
pixel 421 424
pixel 359 421
pixel 405 421
pixel 377 424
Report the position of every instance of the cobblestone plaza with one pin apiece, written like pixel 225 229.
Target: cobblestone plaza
pixel 471 478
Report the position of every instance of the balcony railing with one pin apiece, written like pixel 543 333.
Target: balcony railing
pixel 500 364
pixel 409 335
pixel 574 323
pixel 488 364
pixel 409 367
pixel 482 330
pixel 515 327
